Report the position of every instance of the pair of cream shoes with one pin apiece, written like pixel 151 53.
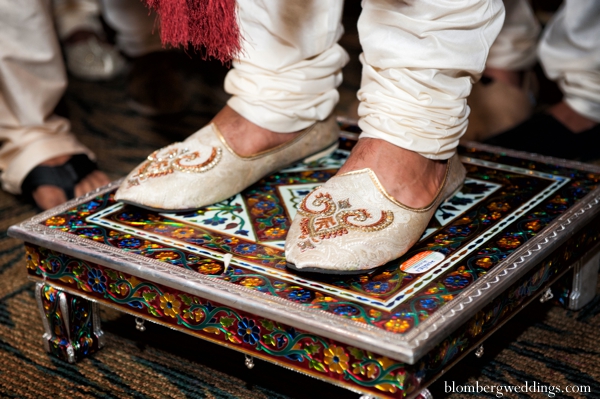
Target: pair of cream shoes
pixel 348 225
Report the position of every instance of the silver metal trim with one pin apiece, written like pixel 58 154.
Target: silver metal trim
pixel 96 323
pixel 407 348
pixel 47 336
pixel 585 278
pixel 64 309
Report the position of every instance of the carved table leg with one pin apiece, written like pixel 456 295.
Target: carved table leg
pixel 71 323
pixel 585 278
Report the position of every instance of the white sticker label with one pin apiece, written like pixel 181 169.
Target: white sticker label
pixel 422 262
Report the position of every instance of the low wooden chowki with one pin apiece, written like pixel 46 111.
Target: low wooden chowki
pixel 520 224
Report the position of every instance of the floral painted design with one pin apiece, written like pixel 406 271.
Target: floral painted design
pixel 377 287
pixel 97 280
pixel 299 295
pixel 300 350
pixel 270 215
pixel 170 304
pixel 455 282
pixel 336 359
pixel 214 221
pixel 245 248
pixel 249 331
pixel 397 325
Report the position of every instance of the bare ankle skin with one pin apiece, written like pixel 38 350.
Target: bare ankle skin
pixel 246 138
pixel 574 121
pixel 410 178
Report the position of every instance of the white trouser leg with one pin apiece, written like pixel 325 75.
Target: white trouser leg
pixel 570 54
pixel 137 33
pixel 73 15
pixel 32 80
pixel 515 46
pixel 420 60
pixel 286 79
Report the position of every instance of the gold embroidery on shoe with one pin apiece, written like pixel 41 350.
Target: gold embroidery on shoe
pixel 332 220
pixel 162 163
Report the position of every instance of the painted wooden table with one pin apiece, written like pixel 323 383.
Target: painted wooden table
pixel 520 223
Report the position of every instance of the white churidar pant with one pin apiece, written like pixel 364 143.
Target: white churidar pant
pixel 419 62
pixel 570 54
pixel 569 49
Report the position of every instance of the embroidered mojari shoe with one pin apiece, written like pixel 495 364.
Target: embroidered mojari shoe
pixel 203 169
pixel 352 224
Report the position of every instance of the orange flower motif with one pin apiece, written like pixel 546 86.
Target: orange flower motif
pixel 170 305
pixel 32 258
pixel 534 225
pixel 508 242
pixel 499 207
pixel 464 220
pixel 183 233
pixel 336 359
pixel 385 276
pixel 397 325
pixel 210 268
pixel 486 262
pixel 55 221
pixel 252 282
pixel 166 256
pixel 275 232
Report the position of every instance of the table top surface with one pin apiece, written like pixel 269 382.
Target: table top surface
pixel 509 203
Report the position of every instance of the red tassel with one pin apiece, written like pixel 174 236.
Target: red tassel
pixel 208 24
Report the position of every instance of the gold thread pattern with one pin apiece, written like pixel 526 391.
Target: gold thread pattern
pixel 161 163
pixel 333 219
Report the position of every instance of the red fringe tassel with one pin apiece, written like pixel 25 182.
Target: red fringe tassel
pixel 208 24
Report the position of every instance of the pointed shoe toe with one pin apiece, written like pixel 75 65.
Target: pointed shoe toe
pixel 203 169
pixel 351 224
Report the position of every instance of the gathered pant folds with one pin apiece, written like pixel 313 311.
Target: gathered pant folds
pixel 420 60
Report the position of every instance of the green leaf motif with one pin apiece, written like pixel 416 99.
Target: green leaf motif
pixel 312 349
pixel 112 274
pixel 357 353
pixel 149 296
pixel 226 321
pixel 154 311
pixel 185 299
pixel 317 365
pixel 269 340
pixel 114 288
pixel 78 270
pixel 267 324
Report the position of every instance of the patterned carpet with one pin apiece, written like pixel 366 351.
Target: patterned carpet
pixel 545 343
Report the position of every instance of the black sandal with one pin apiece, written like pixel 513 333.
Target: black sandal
pixel 65 176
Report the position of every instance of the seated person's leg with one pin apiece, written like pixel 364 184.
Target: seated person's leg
pixel 88 54
pixel 570 54
pixel 33 80
pixel 505 95
pixel 156 84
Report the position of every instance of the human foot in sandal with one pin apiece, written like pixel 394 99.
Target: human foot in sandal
pixel 59 179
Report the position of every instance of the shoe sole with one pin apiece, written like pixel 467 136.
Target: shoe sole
pixel 311 158
pixel 317 270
